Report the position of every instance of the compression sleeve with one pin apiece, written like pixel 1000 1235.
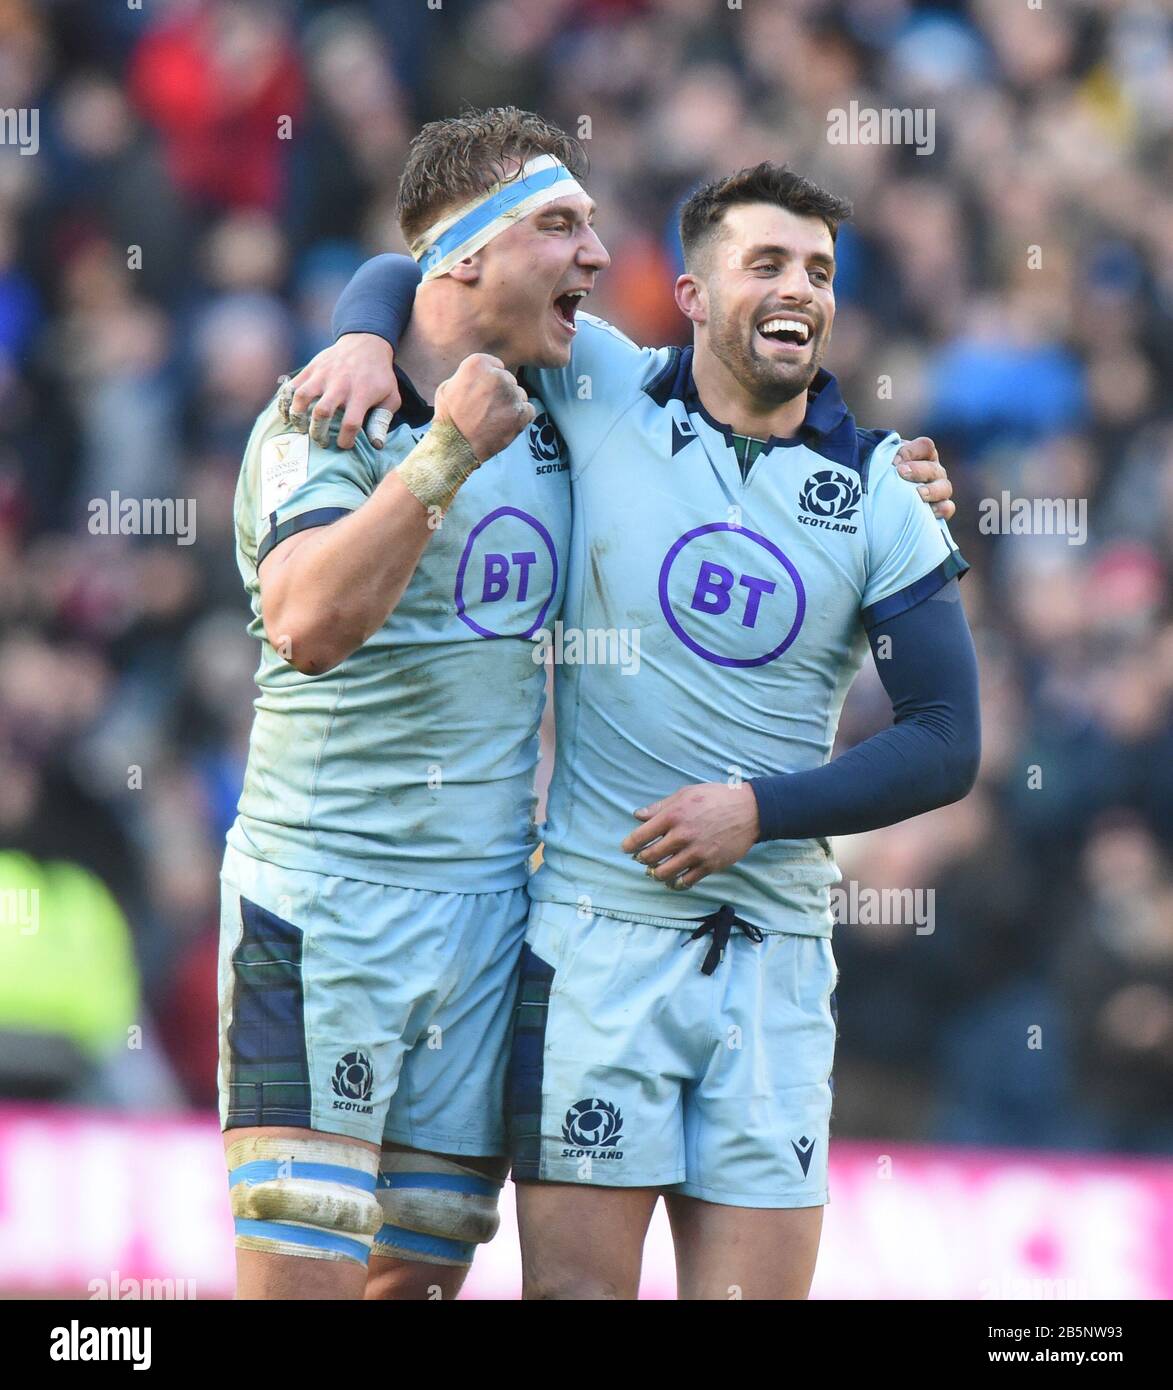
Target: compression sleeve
pixel 378 298
pixel 928 758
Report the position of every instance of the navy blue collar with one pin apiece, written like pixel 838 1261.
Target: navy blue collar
pixel 828 427
pixel 413 410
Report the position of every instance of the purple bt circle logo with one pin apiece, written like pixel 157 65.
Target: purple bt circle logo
pixel 731 596
pixel 508 570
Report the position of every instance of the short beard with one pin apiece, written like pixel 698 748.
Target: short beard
pixel 764 380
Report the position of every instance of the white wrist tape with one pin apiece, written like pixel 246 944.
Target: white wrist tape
pixel 438 465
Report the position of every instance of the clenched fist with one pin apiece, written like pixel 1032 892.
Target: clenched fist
pixel 485 403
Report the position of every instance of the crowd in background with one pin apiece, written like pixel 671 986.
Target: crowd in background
pixel 207 175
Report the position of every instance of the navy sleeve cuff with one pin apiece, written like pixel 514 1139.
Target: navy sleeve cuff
pixel 305 521
pixel 379 298
pixel 952 567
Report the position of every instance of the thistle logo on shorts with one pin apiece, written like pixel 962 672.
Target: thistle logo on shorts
pixel 353 1078
pixel 829 499
pixel 592 1127
pixel 803 1148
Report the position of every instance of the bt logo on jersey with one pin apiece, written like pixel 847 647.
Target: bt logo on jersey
pixel 714 585
pixel 498 571
pixel 507 576
pixel 731 595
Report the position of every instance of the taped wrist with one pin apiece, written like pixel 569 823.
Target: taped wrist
pixel 435 469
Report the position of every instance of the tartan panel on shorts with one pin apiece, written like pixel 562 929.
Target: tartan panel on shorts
pixel 268 1074
pixel 835 1018
pixel 523 1088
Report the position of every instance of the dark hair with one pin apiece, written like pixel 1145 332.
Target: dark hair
pixel 451 161
pixel 707 205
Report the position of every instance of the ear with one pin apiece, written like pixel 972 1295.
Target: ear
pixel 467 271
pixel 692 298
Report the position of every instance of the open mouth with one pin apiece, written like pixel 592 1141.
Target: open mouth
pixel 566 307
pixel 789 333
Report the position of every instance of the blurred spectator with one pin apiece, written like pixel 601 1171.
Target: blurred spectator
pixel 218 79
pixel 70 1024
pixel 1116 970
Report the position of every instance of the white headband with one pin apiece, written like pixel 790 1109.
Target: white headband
pixel 472 226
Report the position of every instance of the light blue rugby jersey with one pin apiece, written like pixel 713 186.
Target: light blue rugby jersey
pixel 751 600
pixel 412 762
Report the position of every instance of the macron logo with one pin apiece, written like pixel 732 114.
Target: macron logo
pixel 682 434
pixel 803 1148
pixel 77 1343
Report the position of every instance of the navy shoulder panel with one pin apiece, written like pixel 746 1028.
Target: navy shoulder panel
pixel 846 445
pixel 672 381
pixel 866 442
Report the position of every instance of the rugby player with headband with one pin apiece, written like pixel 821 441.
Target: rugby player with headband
pixel 374 884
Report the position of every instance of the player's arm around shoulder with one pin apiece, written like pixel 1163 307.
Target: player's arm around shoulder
pixel 917 462
pixel 356 373
pixel 909 549
pixel 333 581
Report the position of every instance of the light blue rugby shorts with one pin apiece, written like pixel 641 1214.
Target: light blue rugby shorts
pixel 359 1009
pixel 632 1068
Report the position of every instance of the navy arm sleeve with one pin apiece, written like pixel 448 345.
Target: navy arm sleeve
pixel 928 758
pixel 378 298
